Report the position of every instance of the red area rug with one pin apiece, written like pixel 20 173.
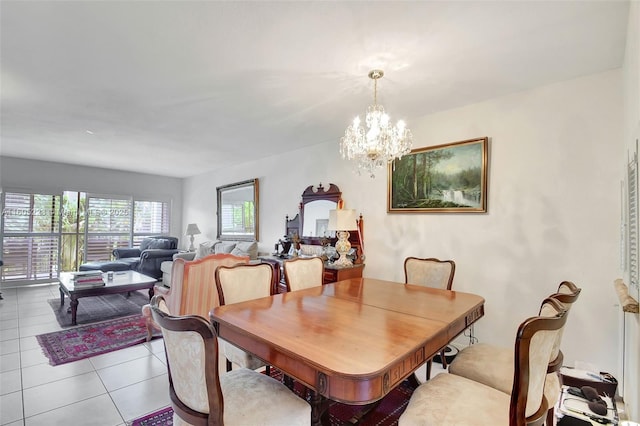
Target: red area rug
pixel 386 413
pixel 93 339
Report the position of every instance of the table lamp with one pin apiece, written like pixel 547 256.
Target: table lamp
pixel 192 229
pixel 342 221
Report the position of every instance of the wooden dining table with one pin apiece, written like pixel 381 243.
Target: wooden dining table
pixel 351 341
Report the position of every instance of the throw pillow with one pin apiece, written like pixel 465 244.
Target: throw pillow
pixel 204 249
pixel 224 247
pixel 246 248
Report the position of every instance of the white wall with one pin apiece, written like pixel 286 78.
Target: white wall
pixel 553 208
pixel 631 135
pixel 18 173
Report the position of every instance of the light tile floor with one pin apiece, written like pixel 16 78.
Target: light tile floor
pixel 107 390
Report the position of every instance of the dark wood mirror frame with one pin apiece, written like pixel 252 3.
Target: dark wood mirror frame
pixel 252 187
pixel 294 226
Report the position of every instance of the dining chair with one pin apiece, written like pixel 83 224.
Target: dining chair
pixel 201 396
pixel 430 272
pixel 493 365
pixel 193 289
pixel 449 399
pixel 237 284
pixel 303 272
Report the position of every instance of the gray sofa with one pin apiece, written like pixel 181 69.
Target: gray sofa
pixel 238 248
pixel 147 259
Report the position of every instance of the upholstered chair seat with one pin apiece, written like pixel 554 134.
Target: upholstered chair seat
pixel 493 365
pixel 449 399
pixel 237 284
pixel 201 396
pixel 247 393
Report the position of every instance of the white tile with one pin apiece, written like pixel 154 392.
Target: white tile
pixel 145 397
pixel 33 357
pixel 45 373
pixel 45 318
pixel 8 313
pixel 156 345
pixel 10 362
pixel 57 394
pixel 16 423
pixel 130 372
pixel 118 357
pixel 8 323
pixel 27 343
pixel 10 407
pixel 33 309
pixel 34 330
pixel 97 411
pixel 10 334
pixel 10 381
pixel 9 346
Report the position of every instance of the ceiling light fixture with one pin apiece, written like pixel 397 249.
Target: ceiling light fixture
pixel 381 142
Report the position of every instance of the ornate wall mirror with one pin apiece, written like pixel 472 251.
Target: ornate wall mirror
pixel 312 220
pixel 238 211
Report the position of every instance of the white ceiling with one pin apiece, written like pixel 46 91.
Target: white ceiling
pixel 141 85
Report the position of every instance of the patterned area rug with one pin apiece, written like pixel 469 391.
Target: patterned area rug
pixel 93 339
pixel 386 413
pixel 100 308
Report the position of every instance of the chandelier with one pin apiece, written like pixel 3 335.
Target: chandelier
pixel 381 142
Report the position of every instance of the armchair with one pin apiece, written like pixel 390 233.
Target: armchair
pixel 193 288
pixel 148 258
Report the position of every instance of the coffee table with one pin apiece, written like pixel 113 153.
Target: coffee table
pixel 122 282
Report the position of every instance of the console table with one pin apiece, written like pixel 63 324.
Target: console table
pixel 332 273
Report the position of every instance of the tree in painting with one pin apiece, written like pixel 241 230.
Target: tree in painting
pixel 440 178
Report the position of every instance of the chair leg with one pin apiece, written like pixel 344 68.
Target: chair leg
pixel 149 330
pixel 229 366
pixel 550 417
pixel 288 381
pixel 443 358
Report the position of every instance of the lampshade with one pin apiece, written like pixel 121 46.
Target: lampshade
pixel 192 229
pixel 342 220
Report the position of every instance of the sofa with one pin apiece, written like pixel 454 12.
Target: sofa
pixel 147 259
pixel 237 248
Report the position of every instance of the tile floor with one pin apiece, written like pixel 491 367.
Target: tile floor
pixel 107 390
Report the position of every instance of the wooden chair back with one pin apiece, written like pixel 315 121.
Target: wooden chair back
pixel 195 283
pixel 534 343
pixel 194 385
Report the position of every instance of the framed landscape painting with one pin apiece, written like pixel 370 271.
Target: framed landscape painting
pixel 449 178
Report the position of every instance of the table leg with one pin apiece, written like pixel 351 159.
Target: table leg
pixel 150 293
pixel 61 297
pixel 74 310
pixel 319 409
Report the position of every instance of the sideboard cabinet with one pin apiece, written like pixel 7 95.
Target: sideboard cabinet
pixel 332 273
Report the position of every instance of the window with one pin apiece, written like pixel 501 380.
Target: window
pixel 43 234
pixel 149 218
pixel 108 226
pixel 31 229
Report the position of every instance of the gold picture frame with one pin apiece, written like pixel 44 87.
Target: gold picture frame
pixel 448 178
